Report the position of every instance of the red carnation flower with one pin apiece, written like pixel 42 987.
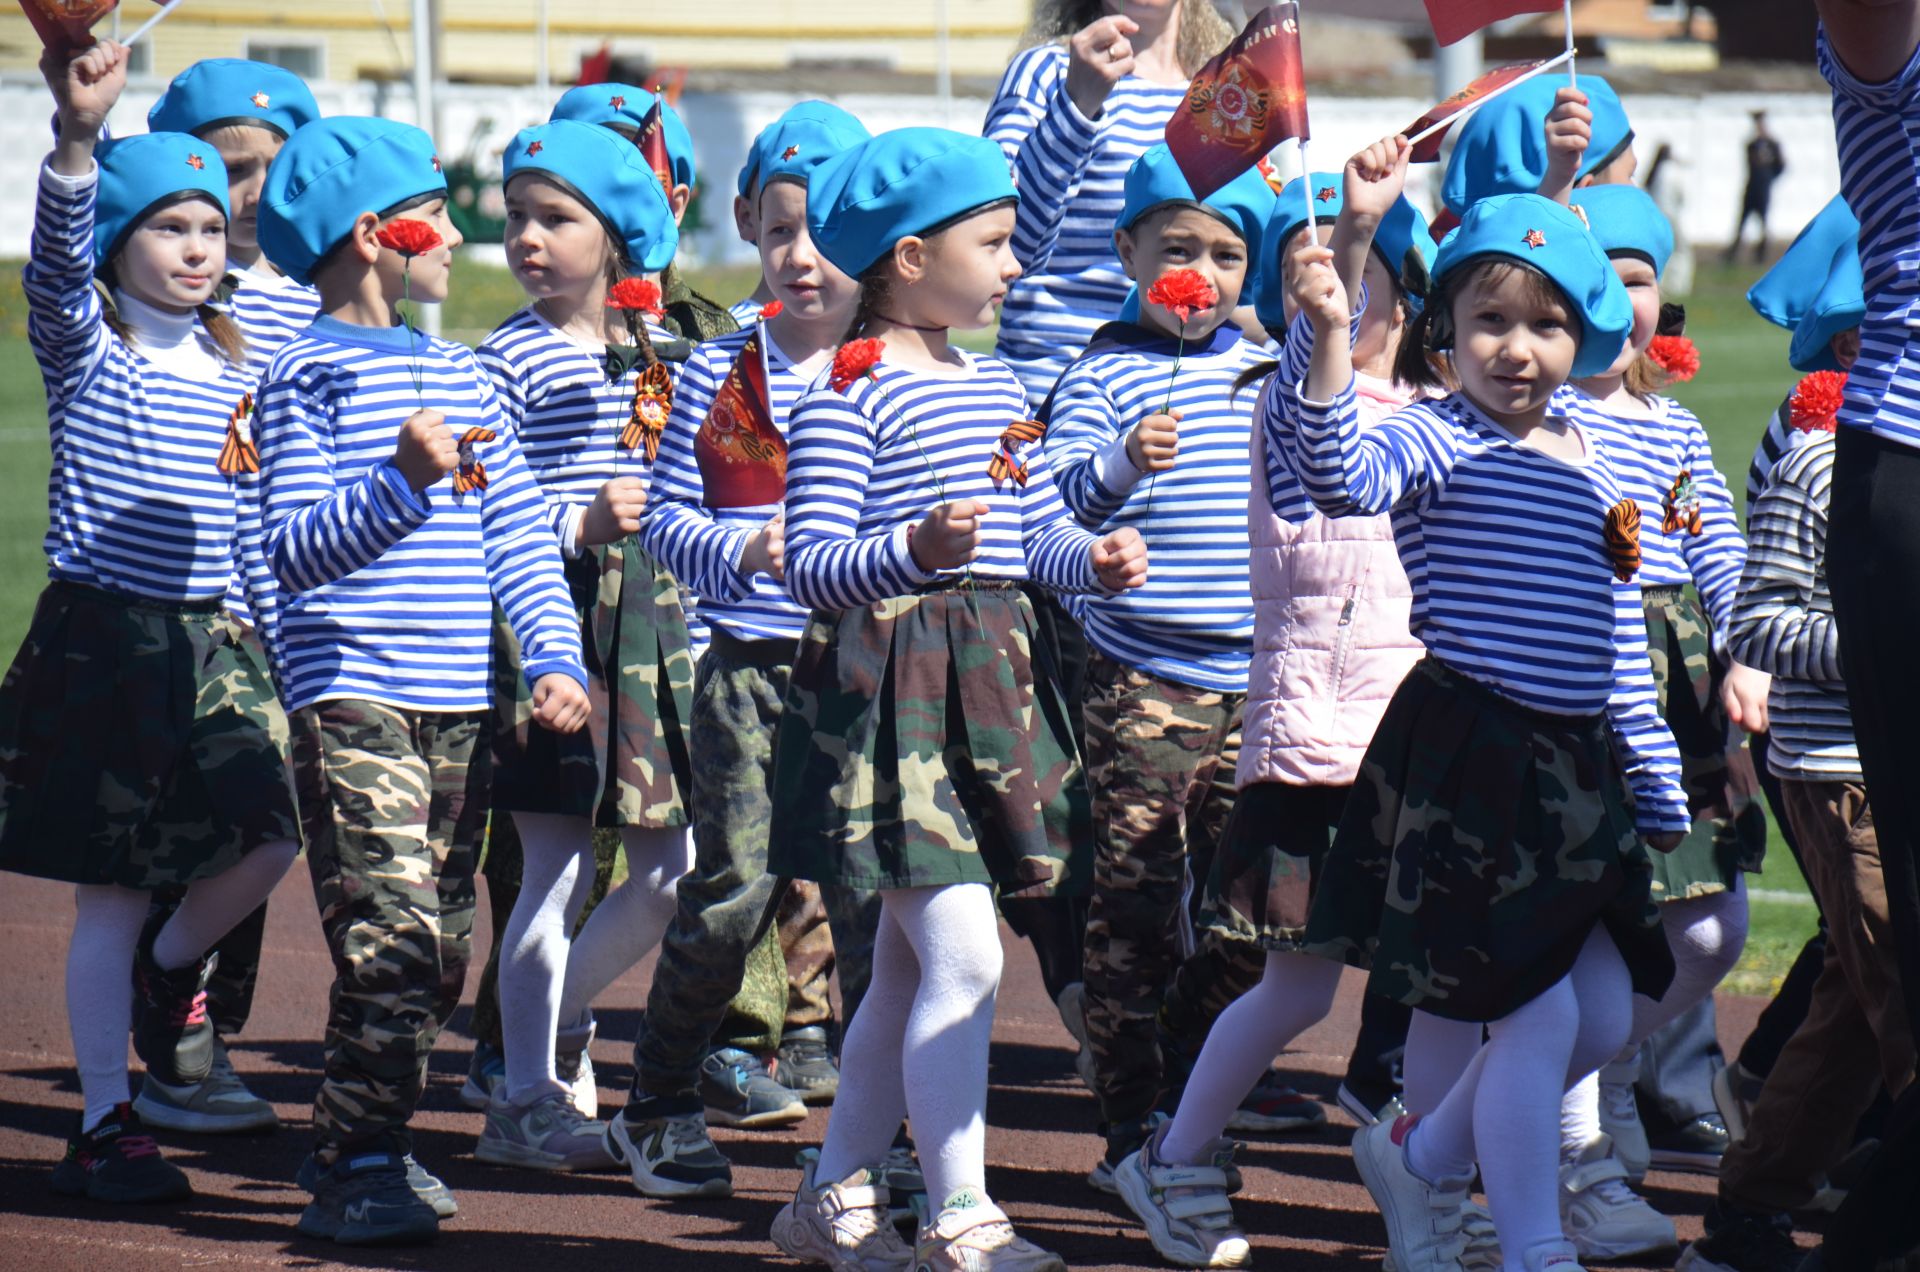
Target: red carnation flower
pixel 771 310
pixel 635 294
pixel 1815 404
pixel 408 237
pixel 855 359
pixel 1182 292
pixel 1677 356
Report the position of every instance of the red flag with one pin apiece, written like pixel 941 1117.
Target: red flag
pixel 742 456
pixel 1243 103
pixel 596 67
pixel 1455 20
pixel 1427 150
pixel 652 140
pixel 65 25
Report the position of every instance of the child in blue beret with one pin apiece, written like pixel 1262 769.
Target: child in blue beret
pixel 246 110
pixel 1501 148
pixel 398 508
pixel 1490 868
pixel 141 746
pixel 921 752
pixel 580 383
pixel 803 134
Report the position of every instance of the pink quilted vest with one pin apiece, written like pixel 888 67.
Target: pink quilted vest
pixel 1330 643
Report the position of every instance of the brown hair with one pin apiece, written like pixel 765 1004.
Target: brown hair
pixel 1203 32
pixel 1646 379
pixel 218 324
pixel 618 271
pixel 1431 332
pixel 876 289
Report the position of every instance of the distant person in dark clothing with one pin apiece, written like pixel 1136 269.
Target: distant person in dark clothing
pixel 1765 163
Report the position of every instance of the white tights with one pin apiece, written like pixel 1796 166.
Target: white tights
pixel 547 975
pixel 918 1044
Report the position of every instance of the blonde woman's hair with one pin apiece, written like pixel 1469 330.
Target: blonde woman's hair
pixel 1203 32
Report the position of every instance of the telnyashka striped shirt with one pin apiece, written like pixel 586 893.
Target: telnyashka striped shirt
pixel 866 464
pixel 1071 173
pixel 1193 621
pixel 1877 127
pixel 1783 622
pixel 702 544
pixel 1505 548
pixel 136 500
pixel 1776 441
pixel 270 310
pixel 387 595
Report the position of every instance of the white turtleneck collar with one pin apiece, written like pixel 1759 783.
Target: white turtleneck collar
pixel 173 342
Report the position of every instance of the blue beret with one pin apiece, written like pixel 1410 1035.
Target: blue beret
pixel 609 174
pixel 793 145
pixel 232 90
pixel 138 172
pixel 1539 232
pixel 329 173
pixel 1403 230
pixel 1155 180
pixel 908 181
pixel 1838 306
pixel 1625 220
pixel 624 107
pixel 1785 292
pixel 1502 147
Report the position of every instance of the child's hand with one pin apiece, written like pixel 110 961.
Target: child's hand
pixel 426 451
pixel 559 703
pixel 1120 560
pixel 614 513
pixel 85 86
pixel 1744 694
pixel 1154 443
pixel 1666 841
pixel 948 536
pixel 1569 133
pixel 1317 291
pixel 766 550
pixel 1375 178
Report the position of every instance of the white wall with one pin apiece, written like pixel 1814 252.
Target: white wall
pixel 1708 134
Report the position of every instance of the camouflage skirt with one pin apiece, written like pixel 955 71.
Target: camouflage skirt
pixel 1260 888
pixel 1728 835
pixel 1480 845
pixel 923 743
pixel 140 743
pixel 629 765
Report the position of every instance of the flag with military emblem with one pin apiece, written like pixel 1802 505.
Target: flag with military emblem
pixel 1243 103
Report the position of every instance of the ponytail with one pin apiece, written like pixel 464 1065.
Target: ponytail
pixel 617 273
pixel 876 289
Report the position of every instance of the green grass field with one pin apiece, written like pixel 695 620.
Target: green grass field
pixel 1743 376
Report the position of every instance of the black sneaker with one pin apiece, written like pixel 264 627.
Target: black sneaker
pixel 171 1032
pixel 366 1199
pixel 426 1187
pixel 1695 1146
pixel 118 1162
pixel 805 1065
pixel 737 1090
pixel 1738 1241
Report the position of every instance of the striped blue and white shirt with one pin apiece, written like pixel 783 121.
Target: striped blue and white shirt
pixel 1071 172
pixel 387 595
pixel 1505 548
pixel 745 312
pixel 701 544
pixel 1878 130
pixel 1775 441
pixel 866 464
pixel 1193 621
pixel 1783 622
pixel 136 500
pixel 270 309
pixel 1648 455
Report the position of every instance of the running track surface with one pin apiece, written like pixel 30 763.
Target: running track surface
pixel 1303 1205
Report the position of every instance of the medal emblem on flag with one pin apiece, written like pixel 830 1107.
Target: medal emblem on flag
pixel 1243 103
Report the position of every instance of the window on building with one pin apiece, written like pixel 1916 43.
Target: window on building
pixel 307 60
pixel 140 59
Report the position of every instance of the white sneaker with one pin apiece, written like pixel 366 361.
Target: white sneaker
pixel 974 1235
pixel 1552 1256
pixel 1185 1208
pixel 545 1133
pixel 1482 1253
pixel 1423 1220
pixel 573 1065
pixel 846 1226
pixel 1603 1217
pixel 1620 1117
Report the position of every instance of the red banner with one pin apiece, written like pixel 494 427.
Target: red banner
pixel 1455 20
pixel 1243 103
pixel 652 140
pixel 66 25
pixel 1427 150
pixel 742 456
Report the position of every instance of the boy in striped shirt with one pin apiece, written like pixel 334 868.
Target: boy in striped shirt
pixel 392 528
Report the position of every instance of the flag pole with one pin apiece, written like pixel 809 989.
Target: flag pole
pixel 1450 120
pixel 1306 168
pixel 149 24
pixel 1573 77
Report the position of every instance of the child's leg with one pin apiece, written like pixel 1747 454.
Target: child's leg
pixel 630 921
pixel 1438 1053
pixel 213 906
pixel 106 928
pixel 1295 992
pixel 556 876
pixel 873 1096
pixel 1707 935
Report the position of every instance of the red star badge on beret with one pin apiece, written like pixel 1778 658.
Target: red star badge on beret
pixel 196 162
pixel 436 163
pixel 618 102
pixel 1534 238
pixel 535 147
pixel 1327 194
pixel 261 100
pixel 790 152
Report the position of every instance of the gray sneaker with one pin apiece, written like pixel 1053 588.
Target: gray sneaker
pixel 546 1133
pixel 738 1091
pixel 219 1105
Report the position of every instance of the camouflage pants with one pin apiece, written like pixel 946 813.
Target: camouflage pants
pixel 392 803
pixel 1160 762
pixel 728 902
pixel 806 942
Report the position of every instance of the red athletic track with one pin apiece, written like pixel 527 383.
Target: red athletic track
pixel 1303 1204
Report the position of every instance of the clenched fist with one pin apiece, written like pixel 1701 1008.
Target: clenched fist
pixel 560 704
pixel 766 549
pixel 1120 560
pixel 614 513
pixel 426 451
pixel 1154 443
pixel 949 536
